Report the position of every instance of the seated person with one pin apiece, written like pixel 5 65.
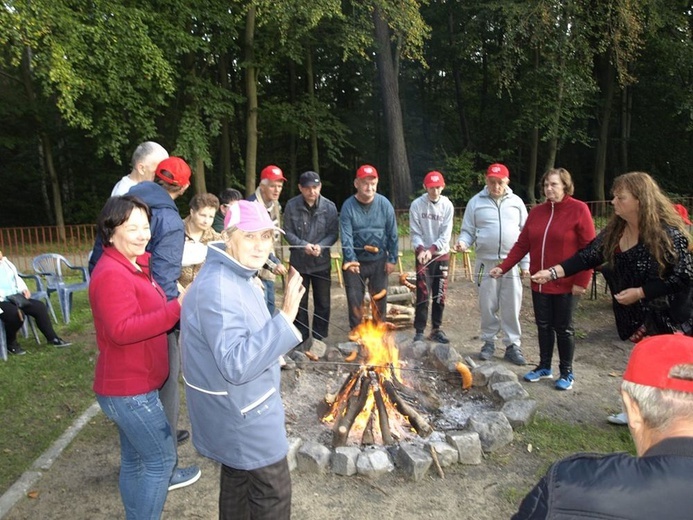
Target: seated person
pixel 657 394
pixel 198 232
pixel 15 302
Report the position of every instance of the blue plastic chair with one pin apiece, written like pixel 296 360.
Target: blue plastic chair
pixel 52 267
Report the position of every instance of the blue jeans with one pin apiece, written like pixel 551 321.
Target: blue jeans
pixel 147 452
pixel 269 295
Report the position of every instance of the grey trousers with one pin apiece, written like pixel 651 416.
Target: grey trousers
pixel 499 303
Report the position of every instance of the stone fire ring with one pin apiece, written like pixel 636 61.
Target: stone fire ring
pixel 485 432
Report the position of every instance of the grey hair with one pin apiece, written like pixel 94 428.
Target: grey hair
pixel 660 407
pixel 144 150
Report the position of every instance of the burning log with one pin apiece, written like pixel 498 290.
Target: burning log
pixel 382 411
pixel 354 405
pixel 415 419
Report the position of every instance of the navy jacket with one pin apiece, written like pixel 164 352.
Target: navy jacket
pixel 657 485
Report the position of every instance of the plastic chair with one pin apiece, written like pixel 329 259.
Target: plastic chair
pixel 51 266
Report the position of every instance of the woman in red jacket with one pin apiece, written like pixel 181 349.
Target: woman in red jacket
pixel 131 317
pixel 554 230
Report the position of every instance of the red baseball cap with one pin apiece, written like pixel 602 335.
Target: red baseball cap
pixel 653 358
pixel 434 179
pixel 177 168
pixel 681 210
pixel 498 170
pixel 272 173
pixel 366 170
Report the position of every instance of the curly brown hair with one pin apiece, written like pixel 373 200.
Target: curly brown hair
pixel 655 215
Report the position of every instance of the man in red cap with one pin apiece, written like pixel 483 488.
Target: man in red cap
pixel 267 193
pixel 430 225
pixel 492 221
pixel 657 393
pixel 368 230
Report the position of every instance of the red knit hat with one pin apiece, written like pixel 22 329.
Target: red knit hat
pixel 653 358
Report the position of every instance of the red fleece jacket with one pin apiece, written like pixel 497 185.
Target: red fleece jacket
pixel 553 232
pixel 131 318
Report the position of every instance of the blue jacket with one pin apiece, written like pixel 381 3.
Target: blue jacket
pixel 230 355
pixel 303 226
pixel 168 235
pixel 371 224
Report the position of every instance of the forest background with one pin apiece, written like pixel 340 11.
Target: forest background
pixel 600 87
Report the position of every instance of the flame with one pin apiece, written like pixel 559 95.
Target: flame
pixel 377 353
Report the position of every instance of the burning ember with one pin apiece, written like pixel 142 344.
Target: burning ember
pixel 373 394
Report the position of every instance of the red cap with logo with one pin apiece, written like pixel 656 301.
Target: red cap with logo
pixel 272 173
pixel 366 170
pixel 434 179
pixel 653 359
pixel 498 170
pixel 178 170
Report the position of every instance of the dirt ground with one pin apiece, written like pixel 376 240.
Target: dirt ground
pixel 83 482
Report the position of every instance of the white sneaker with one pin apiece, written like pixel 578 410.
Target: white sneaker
pixel 620 419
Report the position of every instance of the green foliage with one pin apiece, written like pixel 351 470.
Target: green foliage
pixel 462 180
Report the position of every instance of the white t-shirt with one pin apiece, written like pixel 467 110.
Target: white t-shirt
pixel 122 186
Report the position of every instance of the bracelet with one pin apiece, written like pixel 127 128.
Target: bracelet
pixel 553 273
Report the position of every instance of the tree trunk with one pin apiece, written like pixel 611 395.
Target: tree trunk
pixel 251 94
pixel 607 76
pixel 44 143
pixel 626 106
pixel 533 160
pixel 314 154
pixel 400 179
pixel 225 137
pixel 199 176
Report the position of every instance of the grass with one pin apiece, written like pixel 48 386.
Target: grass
pixel 44 391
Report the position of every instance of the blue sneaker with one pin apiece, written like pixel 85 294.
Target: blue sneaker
pixel 184 477
pixel 537 374
pixel 565 382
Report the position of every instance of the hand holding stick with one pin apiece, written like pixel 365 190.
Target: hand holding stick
pixel 293 294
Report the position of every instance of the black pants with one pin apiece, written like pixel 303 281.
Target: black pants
pixel 431 280
pixel 553 314
pixel 372 275
pixel 259 494
pixel 321 305
pixel 13 322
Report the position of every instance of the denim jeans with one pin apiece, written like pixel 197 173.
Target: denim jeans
pixel 269 295
pixel 431 280
pixel 373 275
pixel 553 314
pixel 147 452
pixel 321 305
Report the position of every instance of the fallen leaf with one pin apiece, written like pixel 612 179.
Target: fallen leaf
pixel 33 494
pixel 614 374
pixel 529 448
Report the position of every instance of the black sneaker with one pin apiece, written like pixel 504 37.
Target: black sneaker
pixel 439 337
pixel 182 436
pixel 514 355
pixel 60 343
pixel 419 336
pixel 14 348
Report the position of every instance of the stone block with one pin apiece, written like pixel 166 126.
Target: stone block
pixel 509 391
pixel 413 460
pixel 444 356
pixel 291 456
pixel 347 347
pixel 318 348
pixel 373 462
pixel 482 373
pixel 344 460
pixel 520 413
pixel 447 455
pixel 313 457
pixel 493 428
pixel 501 375
pixel 467 444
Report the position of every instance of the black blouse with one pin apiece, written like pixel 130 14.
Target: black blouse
pixel 666 304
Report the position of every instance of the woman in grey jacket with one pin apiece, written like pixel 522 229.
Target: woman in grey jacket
pixel 231 348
